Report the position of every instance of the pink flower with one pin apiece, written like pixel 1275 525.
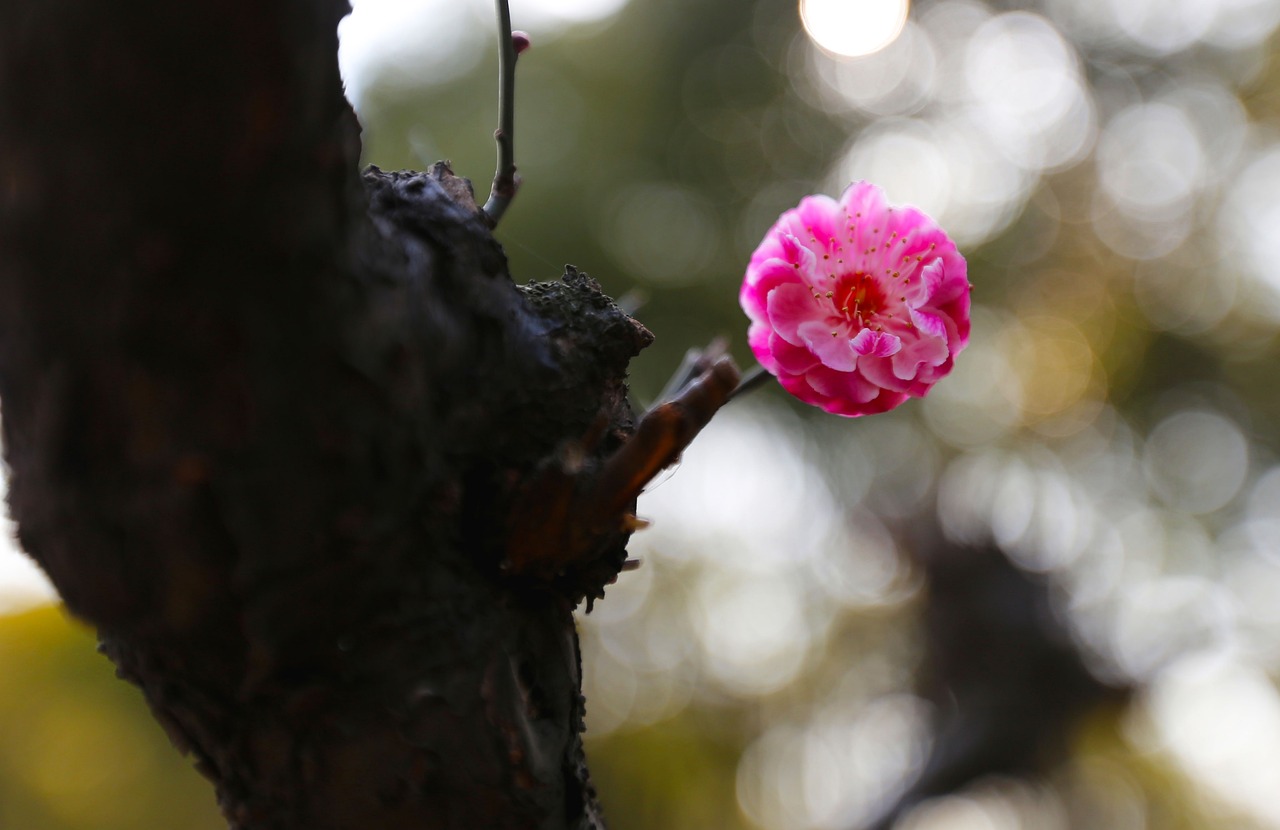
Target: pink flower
pixel 856 305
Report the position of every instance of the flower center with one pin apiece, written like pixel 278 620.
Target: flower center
pixel 858 297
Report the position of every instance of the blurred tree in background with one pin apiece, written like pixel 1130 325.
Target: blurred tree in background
pixel 1110 168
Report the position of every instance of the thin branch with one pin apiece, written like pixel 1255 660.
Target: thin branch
pixel 695 363
pixel 505 181
pixel 755 376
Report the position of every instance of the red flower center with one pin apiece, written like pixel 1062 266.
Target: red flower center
pixel 858 296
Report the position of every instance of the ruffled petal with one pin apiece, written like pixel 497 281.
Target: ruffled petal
pixel 926 351
pixel 926 284
pixel 802 259
pixel 876 343
pixel 929 323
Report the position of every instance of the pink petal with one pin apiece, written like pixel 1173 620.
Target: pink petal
pixel 760 280
pixel 879 370
pixel 798 255
pixel 832 347
pixel 788 306
pixel 758 338
pixel 793 359
pixel 926 284
pixel 926 351
pixel 929 323
pixel 864 198
pixel 798 386
pixel 955 283
pixel 816 222
pixel 846 385
pixel 876 343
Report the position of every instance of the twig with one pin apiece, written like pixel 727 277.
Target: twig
pixel 695 363
pixel 755 376
pixel 505 180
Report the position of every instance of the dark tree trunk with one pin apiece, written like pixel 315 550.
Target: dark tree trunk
pixel 328 483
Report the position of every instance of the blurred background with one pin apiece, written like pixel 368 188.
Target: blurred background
pixel 1052 587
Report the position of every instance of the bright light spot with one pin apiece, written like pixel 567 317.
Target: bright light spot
pixel 1025 81
pixel 1164 26
pixel 1165 618
pixel 1249 219
pixel 898 79
pixel 853 28
pixel 1150 161
pixel 994 804
pixel 856 758
pixel 1196 461
pixel 744 486
pixel 531 14
pixel 752 631
pixel 863 569
pixel 1264 512
pixel 1021 71
pixel 1220 718
pixel 22 584
pixel 836 770
pixel 1243 23
pixel 905 159
pixel 405 44
pixel 414 44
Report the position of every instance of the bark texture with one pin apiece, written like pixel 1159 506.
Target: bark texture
pixel 326 480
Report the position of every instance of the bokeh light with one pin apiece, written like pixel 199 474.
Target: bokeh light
pixel 853 28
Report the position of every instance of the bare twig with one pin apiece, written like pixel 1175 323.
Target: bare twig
pixel 755 376
pixel 505 180
pixel 695 363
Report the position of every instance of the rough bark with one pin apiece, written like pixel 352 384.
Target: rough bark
pixel 327 481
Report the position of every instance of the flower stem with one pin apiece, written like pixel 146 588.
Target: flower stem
pixel 754 377
pixel 505 181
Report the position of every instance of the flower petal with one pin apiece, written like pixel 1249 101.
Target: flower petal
pixel 788 306
pixel 925 351
pixel 847 385
pixel 929 323
pixel 759 337
pixel 876 343
pixel 798 386
pixel 800 257
pixel 879 370
pixel 832 346
pixel 760 280
pixel 926 284
pixel 815 222
pixel 794 359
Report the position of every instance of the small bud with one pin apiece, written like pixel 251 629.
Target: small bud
pixel 521 41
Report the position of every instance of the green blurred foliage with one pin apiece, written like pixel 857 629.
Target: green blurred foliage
pixel 78 748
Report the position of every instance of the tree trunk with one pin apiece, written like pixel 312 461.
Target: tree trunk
pixel 326 480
